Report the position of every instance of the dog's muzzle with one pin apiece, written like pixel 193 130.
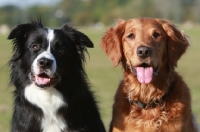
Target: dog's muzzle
pixel 44 76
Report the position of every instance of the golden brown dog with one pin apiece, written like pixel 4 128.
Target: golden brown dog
pixel 152 97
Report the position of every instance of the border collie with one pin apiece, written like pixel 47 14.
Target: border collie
pixel 52 92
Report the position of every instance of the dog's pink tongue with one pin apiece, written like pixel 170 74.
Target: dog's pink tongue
pixel 42 80
pixel 144 75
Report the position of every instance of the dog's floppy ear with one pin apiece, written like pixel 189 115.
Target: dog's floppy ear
pixel 83 39
pixel 19 36
pixel 20 31
pixel 111 42
pixel 76 36
pixel 177 42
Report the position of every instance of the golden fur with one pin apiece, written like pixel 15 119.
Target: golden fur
pixel 168 92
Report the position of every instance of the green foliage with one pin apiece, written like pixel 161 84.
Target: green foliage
pixel 87 12
pixel 9 15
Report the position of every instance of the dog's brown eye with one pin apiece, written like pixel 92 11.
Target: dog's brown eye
pixel 61 51
pixel 131 36
pixel 155 35
pixel 35 47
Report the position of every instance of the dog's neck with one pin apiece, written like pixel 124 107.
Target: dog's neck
pixel 151 104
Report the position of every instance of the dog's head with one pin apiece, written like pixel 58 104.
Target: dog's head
pixel 144 45
pixel 44 54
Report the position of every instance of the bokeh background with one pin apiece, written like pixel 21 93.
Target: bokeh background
pixel 94 17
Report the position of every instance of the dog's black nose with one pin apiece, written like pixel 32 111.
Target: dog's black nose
pixel 144 51
pixel 45 63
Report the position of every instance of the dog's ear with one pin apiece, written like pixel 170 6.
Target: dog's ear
pixel 83 39
pixel 111 42
pixel 20 31
pixel 177 42
pixel 19 36
pixel 76 36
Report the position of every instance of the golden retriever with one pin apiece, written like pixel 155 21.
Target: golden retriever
pixel 152 97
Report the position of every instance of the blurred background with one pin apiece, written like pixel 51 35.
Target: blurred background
pixel 93 18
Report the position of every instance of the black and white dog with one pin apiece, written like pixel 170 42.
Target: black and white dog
pixel 51 87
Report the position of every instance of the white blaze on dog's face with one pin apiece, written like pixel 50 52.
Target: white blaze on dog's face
pixel 44 66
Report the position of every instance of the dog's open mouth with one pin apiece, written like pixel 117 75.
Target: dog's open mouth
pixel 144 73
pixel 43 80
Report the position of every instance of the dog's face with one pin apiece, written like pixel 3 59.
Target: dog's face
pixel 145 45
pixel 45 55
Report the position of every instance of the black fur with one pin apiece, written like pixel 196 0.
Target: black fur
pixel 81 113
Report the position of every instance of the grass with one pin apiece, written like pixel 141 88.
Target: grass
pixel 5 92
pixel 103 76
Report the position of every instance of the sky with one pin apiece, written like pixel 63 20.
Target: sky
pixel 27 3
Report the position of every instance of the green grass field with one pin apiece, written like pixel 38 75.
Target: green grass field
pixel 103 76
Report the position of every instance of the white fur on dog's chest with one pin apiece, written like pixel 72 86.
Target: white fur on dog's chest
pixel 49 100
